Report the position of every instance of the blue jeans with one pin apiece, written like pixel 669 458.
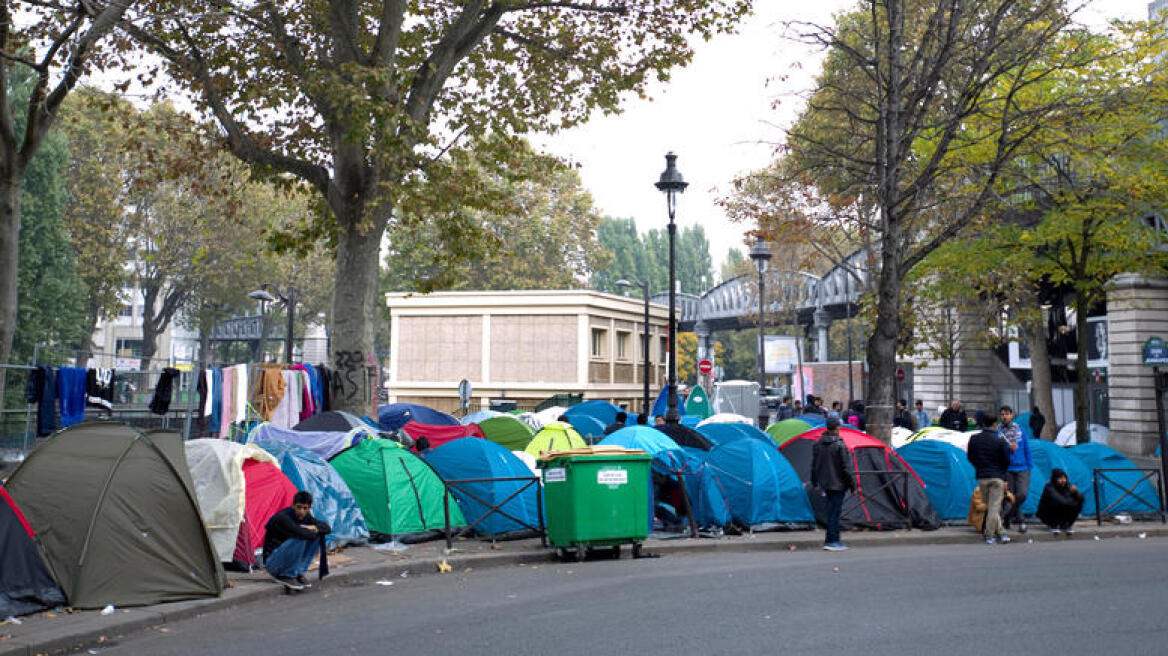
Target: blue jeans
pixel 835 503
pixel 292 558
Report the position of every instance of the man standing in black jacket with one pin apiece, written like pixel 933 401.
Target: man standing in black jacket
pixel 622 418
pixel 292 538
pixel 831 471
pixel 990 456
pixel 954 417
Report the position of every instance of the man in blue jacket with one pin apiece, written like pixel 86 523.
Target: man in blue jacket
pixel 1018 473
pixel 990 456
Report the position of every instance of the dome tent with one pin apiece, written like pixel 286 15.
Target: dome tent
pixel 698 403
pixel 395 415
pixel 759 484
pixel 331 421
pixel 949 478
pixel 686 436
pixel 480 416
pixel 702 487
pixel 471 458
pixel 239 488
pixel 786 429
pixel 507 431
pixel 881 504
pixel 555 436
pixel 115 512
pixel 25 583
pixel 587 426
pixel 1113 490
pixel 401 497
pixel 437 435
pixel 725 418
pixel 325 444
pixel 602 411
pixel 649 440
pixel 331 499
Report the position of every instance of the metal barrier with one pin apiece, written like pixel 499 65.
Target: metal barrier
pixel 17 416
pixel 1099 475
pixel 493 508
pixel 864 495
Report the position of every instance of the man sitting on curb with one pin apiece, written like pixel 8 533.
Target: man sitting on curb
pixel 293 537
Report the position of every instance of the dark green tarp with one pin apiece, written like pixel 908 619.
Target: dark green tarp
pixel 115 512
pixel 399 494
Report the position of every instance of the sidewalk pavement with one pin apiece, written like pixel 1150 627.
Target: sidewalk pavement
pixel 64 631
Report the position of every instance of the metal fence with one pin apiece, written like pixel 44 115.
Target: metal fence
pixel 460 485
pixel 1102 483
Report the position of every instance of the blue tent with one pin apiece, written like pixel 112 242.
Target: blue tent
pixel 602 411
pixel 701 485
pixel 325 444
pixel 759 484
pixel 816 420
pixel 948 477
pixel 480 416
pixel 690 420
pixel 470 457
pixel 661 405
pixel 1023 421
pixel 649 440
pixel 722 433
pixel 1047 456
pixel 395 415
pixel 332 501
pixel 587 426
pixel 1100 456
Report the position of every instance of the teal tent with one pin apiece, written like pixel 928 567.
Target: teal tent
pixel 948 477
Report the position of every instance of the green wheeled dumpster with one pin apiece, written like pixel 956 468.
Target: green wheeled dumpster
pixel 596 501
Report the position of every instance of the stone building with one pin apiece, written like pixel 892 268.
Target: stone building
pixel 525 346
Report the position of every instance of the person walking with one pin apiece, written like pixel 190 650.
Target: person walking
pixel 954 417
pixel 1018 473
pixel 832 472
pixel 921 415
pixel 990 456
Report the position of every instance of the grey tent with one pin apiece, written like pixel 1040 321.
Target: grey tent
pixel 114 511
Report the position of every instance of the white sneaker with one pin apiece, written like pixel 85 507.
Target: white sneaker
pixel 1004 539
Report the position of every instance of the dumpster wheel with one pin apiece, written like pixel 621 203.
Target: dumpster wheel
pixel 636 550
pixel 581 553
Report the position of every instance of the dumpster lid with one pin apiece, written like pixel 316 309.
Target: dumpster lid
pixel 605 450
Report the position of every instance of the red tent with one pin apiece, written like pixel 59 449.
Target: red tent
pixel 267 491
pixel 25 583
pixel 439 435
pixel 880 501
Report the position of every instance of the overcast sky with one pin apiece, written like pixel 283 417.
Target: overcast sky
pixel 718 115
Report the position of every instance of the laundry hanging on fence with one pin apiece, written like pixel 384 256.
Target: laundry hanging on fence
pixel 41 389
pixel 163 392
pixel 99 388
pixel 71 395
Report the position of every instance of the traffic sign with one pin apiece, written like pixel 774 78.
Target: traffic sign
pixel 705 366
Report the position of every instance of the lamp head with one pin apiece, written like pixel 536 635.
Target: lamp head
pixel 261 295
pixel 761 254
pixel 671 184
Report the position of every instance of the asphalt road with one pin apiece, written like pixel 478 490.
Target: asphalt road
pixel 1079 597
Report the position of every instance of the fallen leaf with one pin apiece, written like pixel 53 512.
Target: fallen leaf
pixel 495 547
pixel 444 567
pixel 792 547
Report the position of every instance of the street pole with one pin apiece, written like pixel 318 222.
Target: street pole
pixel 1160 384
pixel 290 303
pixel 645 354
pixel 848 305
pixel 761 254
pixel 671 183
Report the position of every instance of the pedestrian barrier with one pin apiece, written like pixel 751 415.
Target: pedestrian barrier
pixel 886 479
pixel 492 509
pixel 1099 477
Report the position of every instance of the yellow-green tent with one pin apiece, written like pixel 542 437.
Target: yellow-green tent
pixel 555 436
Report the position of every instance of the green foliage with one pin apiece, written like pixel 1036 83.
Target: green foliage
pixel 50 296
pixel 534 227
pixel 645 258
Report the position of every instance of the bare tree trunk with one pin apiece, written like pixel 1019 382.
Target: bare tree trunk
pixel 354 314
pixel 1035 334
pixel 882 351
pixel 10 191
pixel 1081 426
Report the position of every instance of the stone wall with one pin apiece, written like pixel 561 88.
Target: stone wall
pixel 1137 308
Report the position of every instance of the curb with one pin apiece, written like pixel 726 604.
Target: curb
pixel 92 629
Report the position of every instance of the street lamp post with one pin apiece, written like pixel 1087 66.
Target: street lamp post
pixel 644 343
pixel 289 301
pixel 761 254
pixel 671 184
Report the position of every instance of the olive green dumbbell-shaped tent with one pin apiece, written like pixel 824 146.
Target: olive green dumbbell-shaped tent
pixel 114 510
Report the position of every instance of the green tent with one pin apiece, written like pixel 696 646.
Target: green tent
pixel 507 431
pixel 115 514
pixel 399 494
pixel 555 436
pixel 698 403
pixel 784 430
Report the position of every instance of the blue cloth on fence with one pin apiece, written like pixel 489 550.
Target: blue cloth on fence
pixel 71 395
pixel 216 419
pixel 314 387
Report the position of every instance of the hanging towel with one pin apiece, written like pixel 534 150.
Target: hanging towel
pixel 326 388
pixel 240 386
pixel 216 413
pixel 228 397
pixel 314 383
pixel 160 404
pixel 269 391
pixel 287 413
pixel 209 381
pixel 41 389
pixel 71 394
pixel 99 388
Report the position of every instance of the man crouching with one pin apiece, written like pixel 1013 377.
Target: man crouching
pixel 293 536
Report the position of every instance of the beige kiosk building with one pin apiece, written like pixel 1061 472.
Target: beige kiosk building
pixel 522 345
